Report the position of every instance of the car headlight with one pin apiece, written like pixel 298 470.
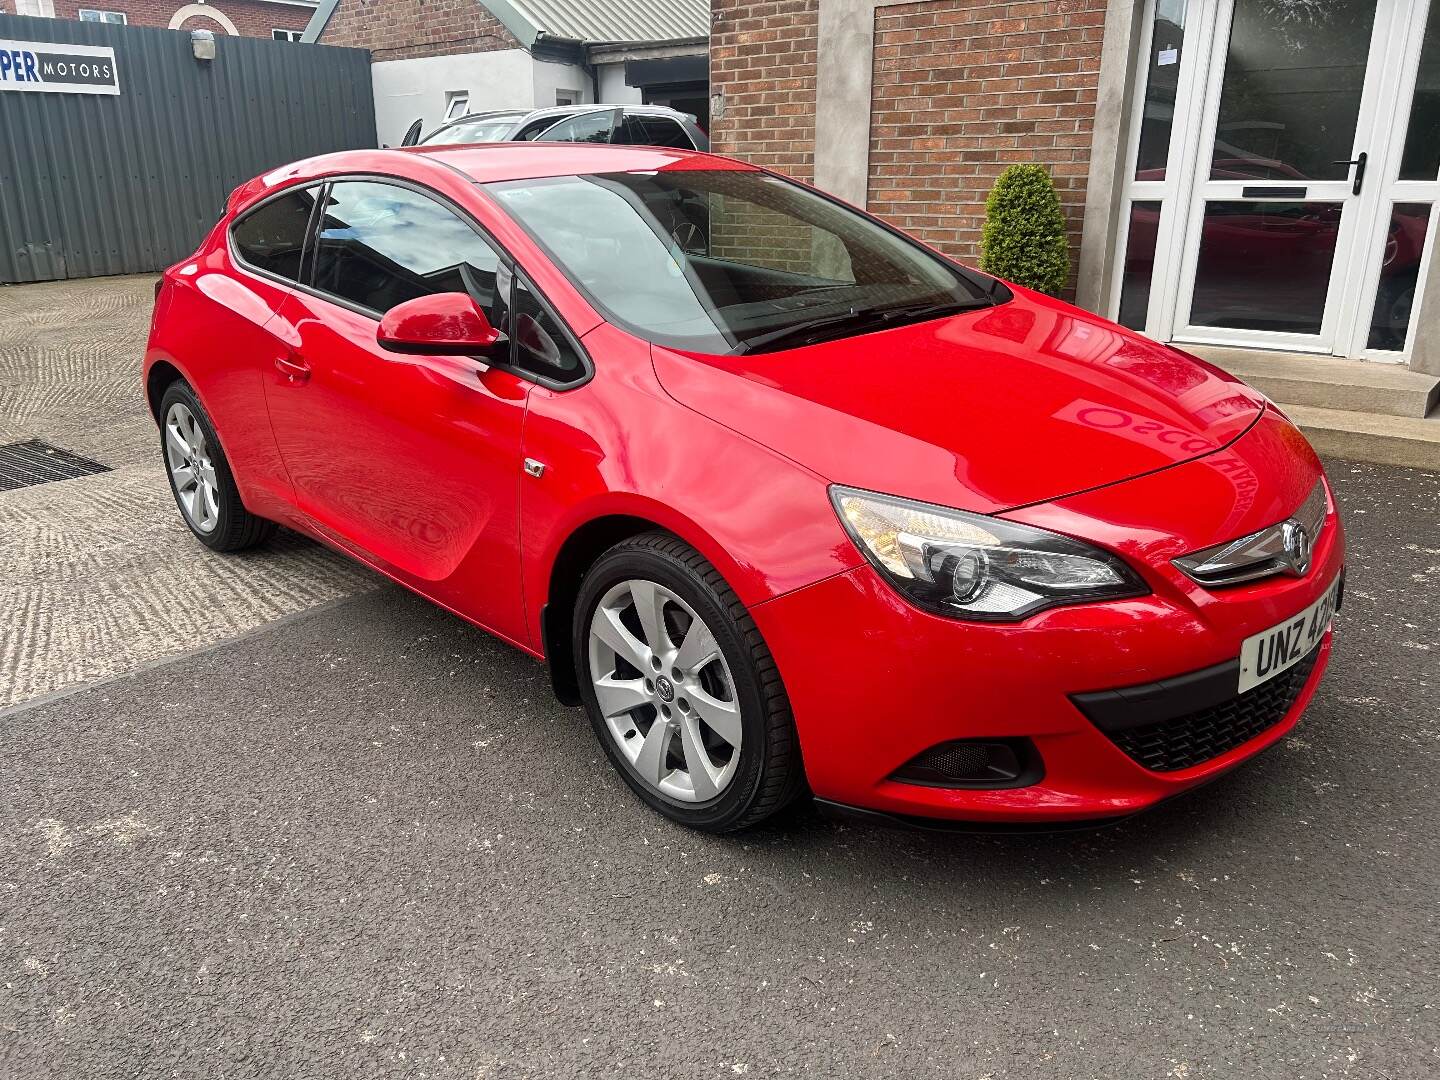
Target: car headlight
pixel 970 566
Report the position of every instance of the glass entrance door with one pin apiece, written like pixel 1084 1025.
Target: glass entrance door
pixel 1279 195
pixel 1291 200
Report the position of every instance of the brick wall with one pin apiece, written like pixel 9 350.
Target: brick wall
pixel 253 18
pixel 762 62
pixel 408 29
pixel 963 88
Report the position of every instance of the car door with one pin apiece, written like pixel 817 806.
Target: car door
pixel 228 337
pixel 413 462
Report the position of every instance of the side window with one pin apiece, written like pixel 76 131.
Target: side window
pixel 532 131
pixel 379 245
pixel 542 347
pixel 655 131
pixel 272 237
pixel 587 127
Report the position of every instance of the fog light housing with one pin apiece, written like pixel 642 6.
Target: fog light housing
pixel 974 763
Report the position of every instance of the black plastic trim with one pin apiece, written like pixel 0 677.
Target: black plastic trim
pixel 1168 699
pixel 1273 192
pixel 1032 768
pixel 918 823
pixel 1162 700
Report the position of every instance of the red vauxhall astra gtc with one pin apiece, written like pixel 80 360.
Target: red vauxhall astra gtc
pixel 784 498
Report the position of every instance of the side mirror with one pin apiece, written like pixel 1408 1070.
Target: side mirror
pixel 442 324
pixel 412 133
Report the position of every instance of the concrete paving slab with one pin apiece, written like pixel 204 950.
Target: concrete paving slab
pixel 99 573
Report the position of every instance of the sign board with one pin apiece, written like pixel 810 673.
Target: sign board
pixel 53 67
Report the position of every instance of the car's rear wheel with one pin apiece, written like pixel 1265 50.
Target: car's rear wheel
pixel 200 477
pixel 680 688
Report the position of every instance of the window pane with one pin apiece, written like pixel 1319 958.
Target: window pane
pixel 1265 265
pixel 1395 297
pixel 541 346
pixel 493 129
pixel 1291 95
pixel 1160 83
pixel 588 127
pixel 1139 264
pixel 380 245
pixel 1422 139
pixel 271 238
pixel 713 259
pixel 654 131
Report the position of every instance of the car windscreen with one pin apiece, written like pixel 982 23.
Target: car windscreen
pixel 720 261
pixel 490 129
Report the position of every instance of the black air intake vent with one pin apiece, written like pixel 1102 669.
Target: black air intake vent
pixel 973 763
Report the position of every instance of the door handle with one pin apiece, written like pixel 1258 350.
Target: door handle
pixel 295 369
pixel 1359 164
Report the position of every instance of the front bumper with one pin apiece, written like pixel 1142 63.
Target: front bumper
pixel 873 681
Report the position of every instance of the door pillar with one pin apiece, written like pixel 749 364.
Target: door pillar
pixel 1425 320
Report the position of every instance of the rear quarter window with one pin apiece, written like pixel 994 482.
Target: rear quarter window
pixel 272 236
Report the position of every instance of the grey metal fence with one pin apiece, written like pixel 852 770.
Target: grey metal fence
pixel 106 183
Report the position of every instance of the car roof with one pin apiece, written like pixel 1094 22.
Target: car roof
pixel 572 110
pixel 493 114
pixel 492 162
pixel 559 112
pixel 483 163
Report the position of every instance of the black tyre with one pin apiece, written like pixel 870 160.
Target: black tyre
pixel 680 688
pixel 200 477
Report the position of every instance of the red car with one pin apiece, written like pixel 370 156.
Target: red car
pixel 784 498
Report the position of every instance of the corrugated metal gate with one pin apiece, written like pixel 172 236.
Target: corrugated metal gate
pixel 93 185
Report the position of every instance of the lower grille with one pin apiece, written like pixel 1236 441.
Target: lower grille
pixel 24 464
pixel 974 763
pixel 1194 738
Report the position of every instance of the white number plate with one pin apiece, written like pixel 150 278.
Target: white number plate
pixel 1268 653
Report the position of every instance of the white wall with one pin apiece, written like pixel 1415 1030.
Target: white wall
pixel 613 90
pixel 550 77
pixel 409 89
pixel 509 79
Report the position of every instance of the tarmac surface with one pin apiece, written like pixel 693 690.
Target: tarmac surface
pixel 361 839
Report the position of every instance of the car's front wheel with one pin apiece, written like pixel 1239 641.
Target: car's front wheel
pixel 680 688
pixel 200 477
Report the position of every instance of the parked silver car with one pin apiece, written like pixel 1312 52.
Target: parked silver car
pixel 641 125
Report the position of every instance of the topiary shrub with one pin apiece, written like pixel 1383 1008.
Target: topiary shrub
pixel 1024 236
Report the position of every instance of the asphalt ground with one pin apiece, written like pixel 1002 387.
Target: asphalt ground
pixel 364 841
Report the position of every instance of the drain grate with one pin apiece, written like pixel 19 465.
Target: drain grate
pixel 24 464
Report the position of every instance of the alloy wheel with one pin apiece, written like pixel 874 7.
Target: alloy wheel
pixel 191 468
pixel 665 691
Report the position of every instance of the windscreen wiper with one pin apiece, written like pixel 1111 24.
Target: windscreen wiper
pixel 816 330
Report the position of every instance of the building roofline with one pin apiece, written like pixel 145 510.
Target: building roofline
pixel 316 25
pixel 513 19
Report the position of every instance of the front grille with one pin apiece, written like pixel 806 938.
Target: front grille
pixel 24 464
pixel 1195 738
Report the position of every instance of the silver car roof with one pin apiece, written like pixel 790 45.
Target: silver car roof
pixel 561 111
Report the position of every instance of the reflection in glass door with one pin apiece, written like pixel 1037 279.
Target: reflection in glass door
pixel 1283 189
pixel 1278 194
